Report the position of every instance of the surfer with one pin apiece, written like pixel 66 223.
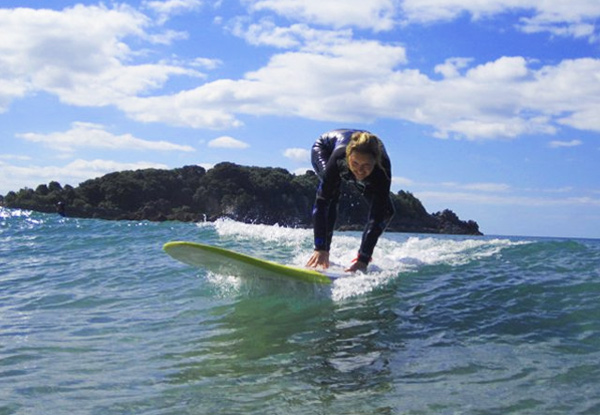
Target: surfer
pixel 359 157
pixel 60 209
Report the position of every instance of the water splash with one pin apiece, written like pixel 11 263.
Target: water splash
pixel 265 234
pixel 396 255
pixel 399 255
pixel 14 213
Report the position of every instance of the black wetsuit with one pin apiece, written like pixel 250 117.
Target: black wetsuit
pixel 329 162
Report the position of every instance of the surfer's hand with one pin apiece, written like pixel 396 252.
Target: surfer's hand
pixel 357 266
pixel 318 260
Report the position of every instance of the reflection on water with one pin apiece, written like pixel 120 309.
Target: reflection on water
pixel 282 352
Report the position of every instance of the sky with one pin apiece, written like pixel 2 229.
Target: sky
pixel 490 108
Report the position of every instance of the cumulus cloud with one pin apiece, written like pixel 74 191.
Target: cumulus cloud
pixel 317 74
pixel 299 155
pixel 89 135
pixel 206 63
pixel 227 142
pixel 451 67
pixel 322 81
pixel 560 18
pixel 43 50
pixel 266 32
pixel 323 77
pixel 573 19
pixel 505 98
pixel 167 8
pixel 13 177
pixel 374 14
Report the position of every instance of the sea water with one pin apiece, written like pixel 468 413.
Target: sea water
pixel 96 319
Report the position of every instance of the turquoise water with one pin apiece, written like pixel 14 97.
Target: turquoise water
pixel 95 319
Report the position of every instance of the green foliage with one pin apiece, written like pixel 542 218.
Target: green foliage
pixel 250 194
pixel 408 206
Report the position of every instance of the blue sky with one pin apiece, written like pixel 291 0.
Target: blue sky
pixel 490 108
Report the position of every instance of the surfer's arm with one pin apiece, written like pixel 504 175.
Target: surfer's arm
pixel 325 207
pixel 381 211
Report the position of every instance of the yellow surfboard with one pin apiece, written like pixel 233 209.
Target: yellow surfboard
pixel 223 261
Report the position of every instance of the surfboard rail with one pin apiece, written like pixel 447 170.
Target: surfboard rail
pixel 222 260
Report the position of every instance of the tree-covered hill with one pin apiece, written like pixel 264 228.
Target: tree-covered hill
pixel 248 194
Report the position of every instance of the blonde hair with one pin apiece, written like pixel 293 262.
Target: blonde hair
pixel 366 143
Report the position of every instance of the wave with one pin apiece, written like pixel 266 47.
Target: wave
pixel 396 254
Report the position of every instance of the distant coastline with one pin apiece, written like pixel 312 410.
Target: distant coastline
pixel 248 194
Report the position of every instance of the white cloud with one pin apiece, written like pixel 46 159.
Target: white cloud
pixel 451 67
pixel 266 32
pixel 227 142
pixel 377 15
pixel 421 11
pixel 502 194
pixel 206 63
pixel 320 74
pixel 568 19
pixel 88 135
pixel 44 50
pixel 506 68
pixel 508 98
pixel 439 197
pixel 167 8
pixel 323 81
pixel 101 167
pixel 561 144
pixel 560 18
pixel 13 178
pixel 575 30
pixel 206 166
pixel 299 155
pixel 208 106
pixel 505 98
pixel 480 187
pixel 402 181
pixel 302 171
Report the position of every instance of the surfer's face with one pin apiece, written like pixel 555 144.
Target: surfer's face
pixel 361 164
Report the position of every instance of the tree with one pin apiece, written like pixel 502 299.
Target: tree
pixel 250 194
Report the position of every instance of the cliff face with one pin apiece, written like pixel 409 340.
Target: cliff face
pixel 247 194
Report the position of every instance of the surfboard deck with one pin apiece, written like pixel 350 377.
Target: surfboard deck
pixel 226 262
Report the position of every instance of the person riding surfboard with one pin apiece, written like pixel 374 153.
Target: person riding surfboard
pixel 359 157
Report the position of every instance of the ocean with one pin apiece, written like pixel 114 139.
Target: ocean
pixel 96 319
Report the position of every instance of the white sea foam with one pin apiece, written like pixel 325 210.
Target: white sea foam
pixel 396 255
pixel 14 213
pixel 264 233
